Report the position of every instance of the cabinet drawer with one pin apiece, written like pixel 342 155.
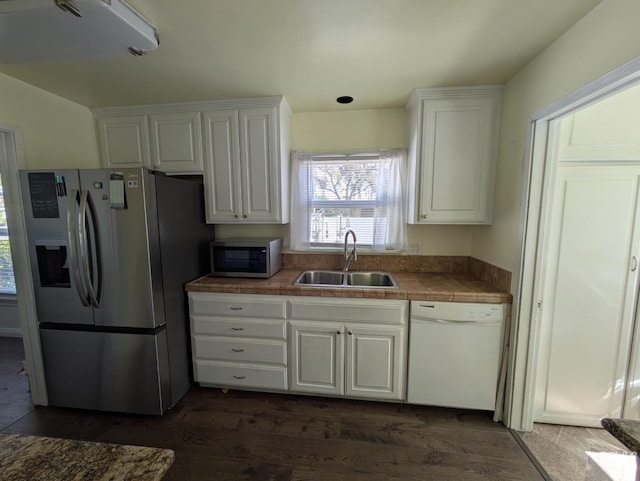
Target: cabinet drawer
pixel 345 310
pixel 237 305
pixel 240 350
pixel 230 374
pixel 239 327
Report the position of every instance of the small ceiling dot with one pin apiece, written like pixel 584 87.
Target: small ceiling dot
pixel 345 99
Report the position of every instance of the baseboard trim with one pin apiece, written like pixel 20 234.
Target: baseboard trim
pixel 10 332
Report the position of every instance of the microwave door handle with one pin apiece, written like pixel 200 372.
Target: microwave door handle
pixel 72 217
pixel 86 210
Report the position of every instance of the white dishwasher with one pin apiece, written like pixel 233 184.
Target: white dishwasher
pixel 454 354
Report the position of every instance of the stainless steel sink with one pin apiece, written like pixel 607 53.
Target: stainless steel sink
pixel 346 279
pixel 320 278
pixel 370 279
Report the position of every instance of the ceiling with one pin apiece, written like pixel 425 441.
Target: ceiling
pixel 312 51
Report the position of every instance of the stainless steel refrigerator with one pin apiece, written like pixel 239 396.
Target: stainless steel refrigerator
pixel 110 252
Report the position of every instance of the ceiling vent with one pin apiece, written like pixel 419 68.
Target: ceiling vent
pixel 48 30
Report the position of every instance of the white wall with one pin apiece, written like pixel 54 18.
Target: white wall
pixel 603 40
pixel 362 129
pixel 56 132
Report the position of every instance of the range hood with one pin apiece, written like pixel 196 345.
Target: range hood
pixel 47 30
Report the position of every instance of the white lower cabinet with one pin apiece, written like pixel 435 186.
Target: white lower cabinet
pixel 329 346
pixel 239 341
pixel 362 353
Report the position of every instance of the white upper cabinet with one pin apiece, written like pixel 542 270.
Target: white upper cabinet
pixel 176 142
pixel 452 154
pixel 247 162
pixel 124 140
pixel 243 152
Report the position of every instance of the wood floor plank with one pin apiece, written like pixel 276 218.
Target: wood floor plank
pixel 415 434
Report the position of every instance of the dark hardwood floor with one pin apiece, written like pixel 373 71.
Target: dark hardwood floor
pixel 278 437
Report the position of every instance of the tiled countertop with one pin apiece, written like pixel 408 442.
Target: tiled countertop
pixel 423 286
pixel 35 458
pixel 627 431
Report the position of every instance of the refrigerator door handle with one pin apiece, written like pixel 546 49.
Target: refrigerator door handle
pixel 86 254
pixel 72 228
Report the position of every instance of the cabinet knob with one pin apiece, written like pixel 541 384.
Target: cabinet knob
pixel 236 216
pixel 350 332
pixel 338 332
pixel 245 216
pixel 425 216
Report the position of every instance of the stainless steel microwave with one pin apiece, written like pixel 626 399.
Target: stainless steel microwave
pixel 246 257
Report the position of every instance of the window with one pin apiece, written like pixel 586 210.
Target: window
pixel 335 192
pixel 7 282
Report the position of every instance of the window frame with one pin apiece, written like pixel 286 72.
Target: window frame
pixel 344 157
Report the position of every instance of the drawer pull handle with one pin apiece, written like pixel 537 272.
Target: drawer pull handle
pixel 237 328
pixel 234 308
pixel 239 377
pixel 237 350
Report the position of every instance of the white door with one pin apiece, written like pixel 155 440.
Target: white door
pixel 374 362
pixel 317 357
pixel 222 166
pixel 588 295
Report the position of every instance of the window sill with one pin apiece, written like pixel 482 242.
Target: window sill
pixel 8 299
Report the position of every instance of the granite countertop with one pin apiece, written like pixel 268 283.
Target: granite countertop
pixel 424 286
pixel 627 431
pixel 35 458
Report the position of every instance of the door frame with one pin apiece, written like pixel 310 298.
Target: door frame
pixel 537 172
pixel 11 160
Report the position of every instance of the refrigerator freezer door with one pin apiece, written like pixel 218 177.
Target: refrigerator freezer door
pixel 51 200
pixel 106 371
pixel 127 242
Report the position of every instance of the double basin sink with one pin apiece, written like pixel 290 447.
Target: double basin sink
pixel 377 280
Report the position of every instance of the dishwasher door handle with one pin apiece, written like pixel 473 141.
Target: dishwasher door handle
pixel 443 321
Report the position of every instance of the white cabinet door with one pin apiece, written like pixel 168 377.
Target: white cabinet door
pixel 222 166
pixel 124 141
pixel 589 295
pixel 452 154
pixel 176 142
pixel 317 363
pixel 374 362
pixel 260 165
pixel 456 157
pixel 243 169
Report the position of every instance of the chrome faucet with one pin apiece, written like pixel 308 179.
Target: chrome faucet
pixel 353 256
